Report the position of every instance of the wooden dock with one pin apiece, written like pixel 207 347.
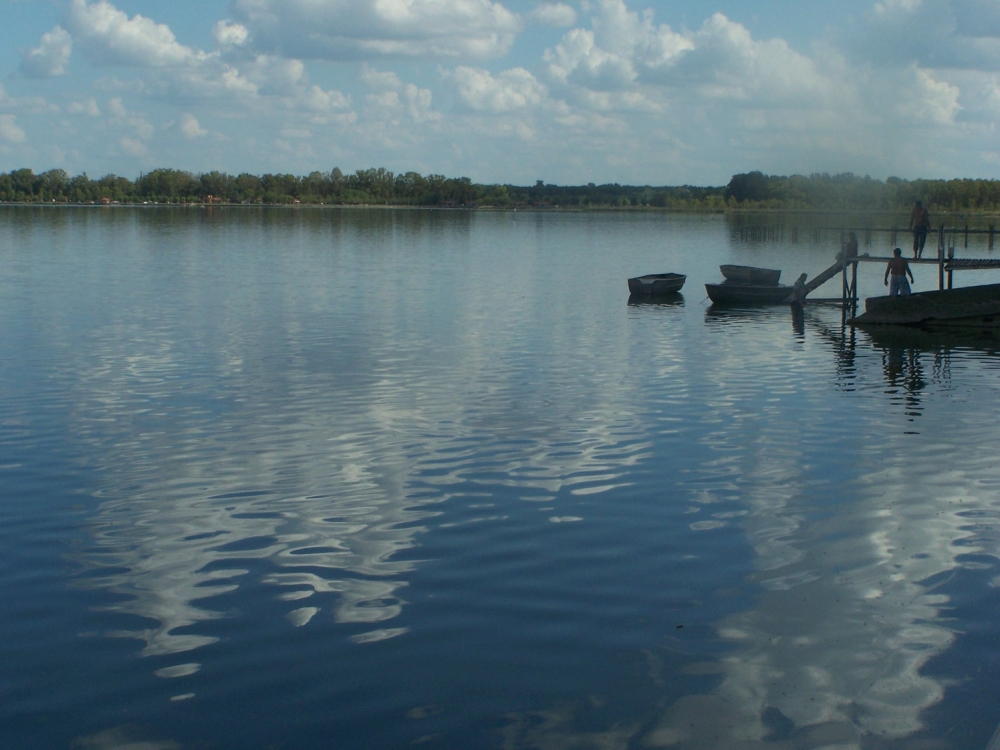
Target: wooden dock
pixel 944 259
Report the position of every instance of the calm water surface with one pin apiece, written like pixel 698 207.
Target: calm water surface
pixel 359 479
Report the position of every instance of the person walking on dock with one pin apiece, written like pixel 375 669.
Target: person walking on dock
pixel 920 222
pixel 898 269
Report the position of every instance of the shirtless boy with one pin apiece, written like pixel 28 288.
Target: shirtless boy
pixel 898 269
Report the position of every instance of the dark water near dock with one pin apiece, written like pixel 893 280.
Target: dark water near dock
pixel 380 478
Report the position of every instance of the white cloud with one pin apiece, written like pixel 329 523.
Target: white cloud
pixel 88 107
pixel 319 100
pixel 9 129
pixel 510 90
pixel 109 36
pixel 620 47
pixel 177 73
pixel 369 29
pixel 930 100
pixel 133 147
pixel 380 80
pixel 49 58
pixel 553 14
pixel 274 75
pixel 396 101
pixel 117 108
pixel 577 59
pixel 620 95
pixel 727 62
pixel 190 128
pixel 228 34
pixel 932 33
pixel 122 118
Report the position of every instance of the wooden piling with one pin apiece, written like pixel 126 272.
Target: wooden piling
pixel 941 257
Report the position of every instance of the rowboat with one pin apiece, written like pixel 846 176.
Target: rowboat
pixel 971 306
pixel 751 275
pixel 728 293
pixel 657 284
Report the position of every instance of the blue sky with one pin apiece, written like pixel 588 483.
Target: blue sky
pixel 628 91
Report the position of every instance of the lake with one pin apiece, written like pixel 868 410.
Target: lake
pixel 314 478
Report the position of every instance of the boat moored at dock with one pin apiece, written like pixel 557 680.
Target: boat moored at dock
pixel 728 293
pixel 751 275
pixel 656 284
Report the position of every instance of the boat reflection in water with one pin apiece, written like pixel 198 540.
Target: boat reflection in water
pixel 665 300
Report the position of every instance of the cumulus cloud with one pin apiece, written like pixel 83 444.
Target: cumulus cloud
pixel 620 46
pixel 553 14
pixel 176 72
pixel 625 51
pixel 133 147
pixel 727 62
pixel 190 128
pixel 88 107
pixel 142 129
pixel 930 100
pixel 619 90
pixel 369 29
pixel 9 130
pixel 320 100
pixel 578 59
pixel 933 33
pixel 510 90
pixel 110 37
pixel 229 35
pixel 395 100
pixel 49 58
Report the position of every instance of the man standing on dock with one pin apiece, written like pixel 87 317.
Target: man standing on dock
pixel 920 222
pixel 898 269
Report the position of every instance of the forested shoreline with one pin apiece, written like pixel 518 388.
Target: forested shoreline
pixel 753 190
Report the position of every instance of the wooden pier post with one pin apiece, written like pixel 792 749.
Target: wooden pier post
pixel 843 287
pixel 941 257
pixel 854 289
pixel 991 236
pixel 951 255
pixel 966 235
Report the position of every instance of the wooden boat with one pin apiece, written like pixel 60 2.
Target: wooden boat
pixel 971 306
pixel 728 293
pixel 751 275
pixel 656 284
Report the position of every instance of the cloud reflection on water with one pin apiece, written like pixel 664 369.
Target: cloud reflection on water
pixel 850 570
pixel 233 472
pixel 846 621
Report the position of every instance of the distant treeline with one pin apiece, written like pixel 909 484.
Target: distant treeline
pixel 753 190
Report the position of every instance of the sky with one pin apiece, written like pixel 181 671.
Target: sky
pixel 653 92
